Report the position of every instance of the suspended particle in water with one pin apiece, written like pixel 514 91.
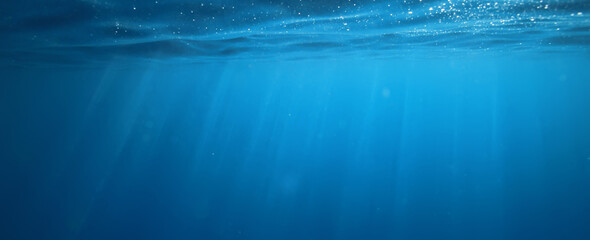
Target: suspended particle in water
pixel 386 92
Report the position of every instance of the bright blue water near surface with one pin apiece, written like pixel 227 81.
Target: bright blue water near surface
pixel 295 119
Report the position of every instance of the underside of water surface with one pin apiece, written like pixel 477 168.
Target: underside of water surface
pixel 87 31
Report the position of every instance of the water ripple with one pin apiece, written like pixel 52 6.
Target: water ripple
pixel 94 30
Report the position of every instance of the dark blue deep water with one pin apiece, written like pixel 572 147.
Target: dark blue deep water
pixel 295 119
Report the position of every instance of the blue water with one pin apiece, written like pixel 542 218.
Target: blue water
pixel 266 120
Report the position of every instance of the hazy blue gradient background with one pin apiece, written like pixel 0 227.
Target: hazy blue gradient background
pixel 442 148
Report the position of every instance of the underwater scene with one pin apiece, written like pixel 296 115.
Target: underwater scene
pixel 295 119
